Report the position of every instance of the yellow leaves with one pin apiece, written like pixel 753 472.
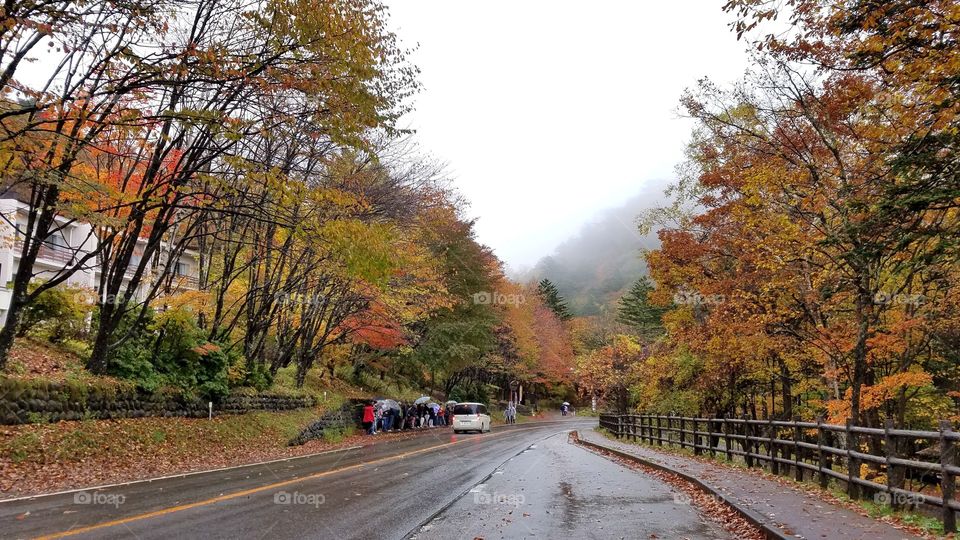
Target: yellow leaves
pixel 365 250
pixel 874 396
pixel 188 300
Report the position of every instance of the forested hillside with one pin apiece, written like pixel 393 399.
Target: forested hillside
pixel 593 269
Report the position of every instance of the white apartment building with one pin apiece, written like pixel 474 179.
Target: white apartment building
pixel 62 248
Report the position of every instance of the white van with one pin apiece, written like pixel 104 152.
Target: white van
pixel 470 417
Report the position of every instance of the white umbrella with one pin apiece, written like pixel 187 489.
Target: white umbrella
pixel 567 403
pixel 451 402
pixel 420 400
pixel 389 403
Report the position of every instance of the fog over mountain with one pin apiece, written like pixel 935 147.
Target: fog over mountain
pixel 595 267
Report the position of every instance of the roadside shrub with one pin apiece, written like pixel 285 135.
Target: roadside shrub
pixel 184 358
pixel 239 376
pixel 169 349
pixel 132 359
pixel 260 378
pixel 57 315
pixel 470 391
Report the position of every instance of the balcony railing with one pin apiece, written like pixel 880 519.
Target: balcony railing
pixel 50 252
pixel 185 282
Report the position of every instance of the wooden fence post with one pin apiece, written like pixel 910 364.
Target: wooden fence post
pixel 772 447
pixel 747 443
pixel 683 443
pixel 853 464
pixel 797 450
pixel 712 441
pixel 659 431
pixel 895 473
pixel 633 427
pixel 948 484
pixel 822 464
pixel 726 437
pixel 696 437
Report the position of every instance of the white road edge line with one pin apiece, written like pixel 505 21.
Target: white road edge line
pixel 168 477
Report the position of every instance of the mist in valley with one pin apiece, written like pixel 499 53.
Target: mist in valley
pixel 595 267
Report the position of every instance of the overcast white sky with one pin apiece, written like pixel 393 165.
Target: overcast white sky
pixel 549 111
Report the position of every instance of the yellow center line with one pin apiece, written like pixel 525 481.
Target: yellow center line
pixel 237 494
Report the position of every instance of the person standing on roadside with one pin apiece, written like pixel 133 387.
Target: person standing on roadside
pixel 369 419
pixel 387 418
pixel 377 418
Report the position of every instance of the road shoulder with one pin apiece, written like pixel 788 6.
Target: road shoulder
pixel 777 505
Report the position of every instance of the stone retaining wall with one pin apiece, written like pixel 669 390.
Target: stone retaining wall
pixel 349 415
pixel 23 402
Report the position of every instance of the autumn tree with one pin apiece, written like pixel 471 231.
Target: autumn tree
pixel 817 220
pixel 48 129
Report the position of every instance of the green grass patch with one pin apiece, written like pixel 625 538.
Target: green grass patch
pixel 22 446
pixel 337 435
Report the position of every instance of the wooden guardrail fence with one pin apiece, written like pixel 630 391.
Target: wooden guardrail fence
pixel 825 450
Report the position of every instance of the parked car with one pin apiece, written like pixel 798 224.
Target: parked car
pixel 470 417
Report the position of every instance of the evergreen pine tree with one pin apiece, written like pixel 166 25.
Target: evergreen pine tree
pixel 551 297
pixel 635 309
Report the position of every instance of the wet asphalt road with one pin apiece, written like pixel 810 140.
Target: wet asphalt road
pixel 554 489
pixel 419 486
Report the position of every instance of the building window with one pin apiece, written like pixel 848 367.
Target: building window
pixel 58 239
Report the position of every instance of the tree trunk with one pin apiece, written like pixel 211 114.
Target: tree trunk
pixel 301 374
pixel 97 363
pixel 864 313
pixel 21 281
pixel 786 390
pixel 17 301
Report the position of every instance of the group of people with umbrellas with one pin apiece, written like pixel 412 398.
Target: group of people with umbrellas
pixel 385 415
